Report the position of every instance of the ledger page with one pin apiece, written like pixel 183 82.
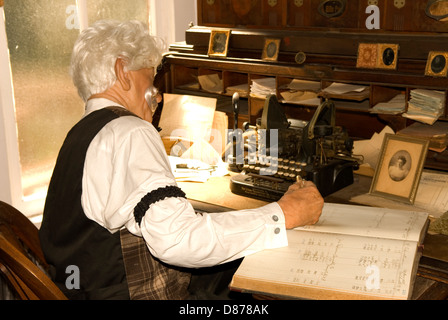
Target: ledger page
pixel 370 222
pixel 369 267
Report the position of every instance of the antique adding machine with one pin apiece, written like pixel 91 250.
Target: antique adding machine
pixel 290 150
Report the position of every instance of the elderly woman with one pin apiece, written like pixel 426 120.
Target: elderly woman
pixel 114 211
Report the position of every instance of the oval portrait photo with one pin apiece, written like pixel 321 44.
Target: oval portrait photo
pixel 400 165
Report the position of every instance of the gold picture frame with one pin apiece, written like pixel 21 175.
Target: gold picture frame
pixel 437 65
pixel 388 56
pixel 271 50
pixel 399 168
pixel 367 56
pixel 219 43
pixel 377 56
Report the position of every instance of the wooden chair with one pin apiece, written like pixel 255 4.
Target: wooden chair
pixel 22 261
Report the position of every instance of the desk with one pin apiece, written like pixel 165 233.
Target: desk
pixel 432 275
pixel 216 191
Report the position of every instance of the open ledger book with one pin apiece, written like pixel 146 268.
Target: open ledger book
pixel 353 252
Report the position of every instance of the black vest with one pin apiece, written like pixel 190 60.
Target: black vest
pixel 67 236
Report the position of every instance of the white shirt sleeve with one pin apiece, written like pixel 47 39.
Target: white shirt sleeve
pixel 126 161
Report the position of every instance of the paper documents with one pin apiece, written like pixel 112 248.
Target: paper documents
pixel 211 83
pixel 335 258
pixel 370 149
pixel 304 85
pixel 344 88
pixel 437 134
pixel 432 196
pixel 302 92
pixel 192 170
pixel 242 89
pixel 190 117
pixel 263 87
pixel 394 106
pixel 425 105
pixel 192 126
pixel 347 91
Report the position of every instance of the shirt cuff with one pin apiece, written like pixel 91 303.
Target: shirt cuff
pixel 276 235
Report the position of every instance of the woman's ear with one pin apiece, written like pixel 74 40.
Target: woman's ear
pixel 122 75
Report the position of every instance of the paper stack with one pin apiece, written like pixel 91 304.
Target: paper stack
pixel 263 87
pixel 302 92
pixel 394 106
pixel 344 88
pixel 370 150
pixel 437 134
pixel 211 83
pixel 426 105
pixel 242 90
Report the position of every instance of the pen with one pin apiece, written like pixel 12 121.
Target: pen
pixel 300 181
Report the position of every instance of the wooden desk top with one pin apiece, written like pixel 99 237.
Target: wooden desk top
pixel 217 191
pixel 432 279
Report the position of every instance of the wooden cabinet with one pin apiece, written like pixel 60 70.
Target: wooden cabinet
pixel 319 44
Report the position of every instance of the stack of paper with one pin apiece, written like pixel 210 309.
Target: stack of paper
pixel 263 87
pixel 242 90
pixel 211 83
pixel 394 106
pixel 425 105
pixel 344 88
pixel 437 134
pixel 304 85
pixel 370 150
pixel 302 92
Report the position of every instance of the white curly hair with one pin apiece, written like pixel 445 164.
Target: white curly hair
pixel 98 48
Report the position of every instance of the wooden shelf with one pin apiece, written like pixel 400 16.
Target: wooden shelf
pixel 331 50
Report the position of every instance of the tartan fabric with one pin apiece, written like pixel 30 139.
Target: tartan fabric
pixel 149 278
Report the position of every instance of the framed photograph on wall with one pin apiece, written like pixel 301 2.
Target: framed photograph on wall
pixel 437 64
pixel 399 168
pixel 219 43
pixel 387 56
pixel 271 49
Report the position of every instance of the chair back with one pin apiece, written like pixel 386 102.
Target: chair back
pixel 22 262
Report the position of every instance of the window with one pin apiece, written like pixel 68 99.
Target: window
pixel 46 102
pixel 38 102
pixel 39 36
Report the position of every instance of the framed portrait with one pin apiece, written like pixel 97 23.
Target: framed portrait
pixel 271 49
pixel 219 43
pixel 387 56
pixel 399 168
pixel 437 65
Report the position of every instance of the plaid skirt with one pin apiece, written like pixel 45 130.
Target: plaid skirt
pixel 147 277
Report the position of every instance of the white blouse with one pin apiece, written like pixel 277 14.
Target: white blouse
pixel 126 161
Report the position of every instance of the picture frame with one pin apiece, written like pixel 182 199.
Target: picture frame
pixel 367 56
pixel 400 167
pixel 388 56
pixel 219 43
pixel 437 65
pixel 271 49
pixel 377 56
